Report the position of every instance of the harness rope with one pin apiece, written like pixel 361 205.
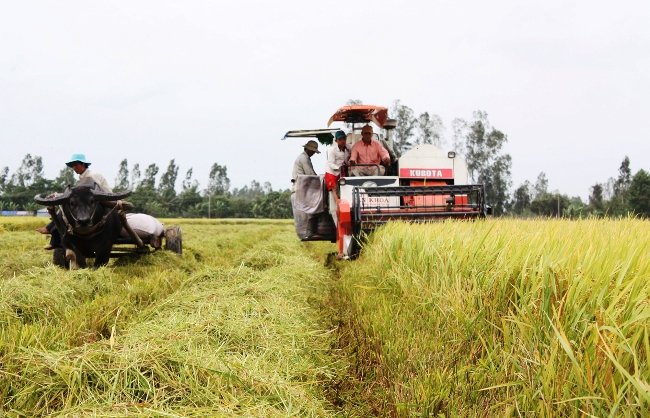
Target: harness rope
pixel 93 229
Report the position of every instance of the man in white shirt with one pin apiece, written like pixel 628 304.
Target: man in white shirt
pixel 337 156
pixel 302 165
pixel 148 228
pixel 305 224
pixel 80 166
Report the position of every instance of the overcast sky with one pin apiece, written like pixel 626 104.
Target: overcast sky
pixel 205 82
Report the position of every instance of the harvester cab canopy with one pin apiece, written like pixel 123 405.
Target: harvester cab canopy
pixel 360 114
pixel 324 136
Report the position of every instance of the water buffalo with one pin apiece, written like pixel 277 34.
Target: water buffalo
pixel 88 222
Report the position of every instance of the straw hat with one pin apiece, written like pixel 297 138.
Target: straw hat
pixel 312 146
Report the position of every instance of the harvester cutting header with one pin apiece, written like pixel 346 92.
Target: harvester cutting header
pixel 422 185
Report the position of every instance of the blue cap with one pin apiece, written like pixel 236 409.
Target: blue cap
pixel 339 134
pixel 78 157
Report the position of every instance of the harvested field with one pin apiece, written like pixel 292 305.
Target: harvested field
pixel 230 328
pixel 494 318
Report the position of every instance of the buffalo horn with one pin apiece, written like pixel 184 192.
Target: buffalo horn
pixel 53 199
pixel 105 196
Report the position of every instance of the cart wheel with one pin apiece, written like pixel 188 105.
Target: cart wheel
pixel 58 258
pixel 174 239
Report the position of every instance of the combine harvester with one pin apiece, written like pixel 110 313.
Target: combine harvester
pixel 423 185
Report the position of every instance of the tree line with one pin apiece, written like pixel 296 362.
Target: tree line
pixel 481 144
pixel 156 196
pixel 618 196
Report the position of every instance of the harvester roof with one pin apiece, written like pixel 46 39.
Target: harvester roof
pixel 324 136
pixel 360 114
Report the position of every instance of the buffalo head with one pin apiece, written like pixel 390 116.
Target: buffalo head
pixel 80 203
pixel 87 221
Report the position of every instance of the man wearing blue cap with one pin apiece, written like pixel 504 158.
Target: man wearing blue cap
pixel 79 164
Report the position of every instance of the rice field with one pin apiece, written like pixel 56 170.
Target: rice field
pixel 504 318
pixel 473 319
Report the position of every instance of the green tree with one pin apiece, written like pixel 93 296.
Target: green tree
pixel 24 184
pixel 243 200
pixel 576 208
pixel 64 179
pixel 596 201
pixel 4 175
pixel 541 185
pixel 550 204
pixel 167 184
pixel 487 163
pixel 219 206
pixel 241 207
pixel 459 132
pixel 639 193
pixel 521 199
pixel 30 171
pixel 135 176
pixel 429 129
pixel 250 192
pixel 122 179
pixel 618 205
pixel 624 179
pixel 406 123
pixel 218 181
pixel 274 205
pixel 190 200
pixel 149 178
pixel 144 197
